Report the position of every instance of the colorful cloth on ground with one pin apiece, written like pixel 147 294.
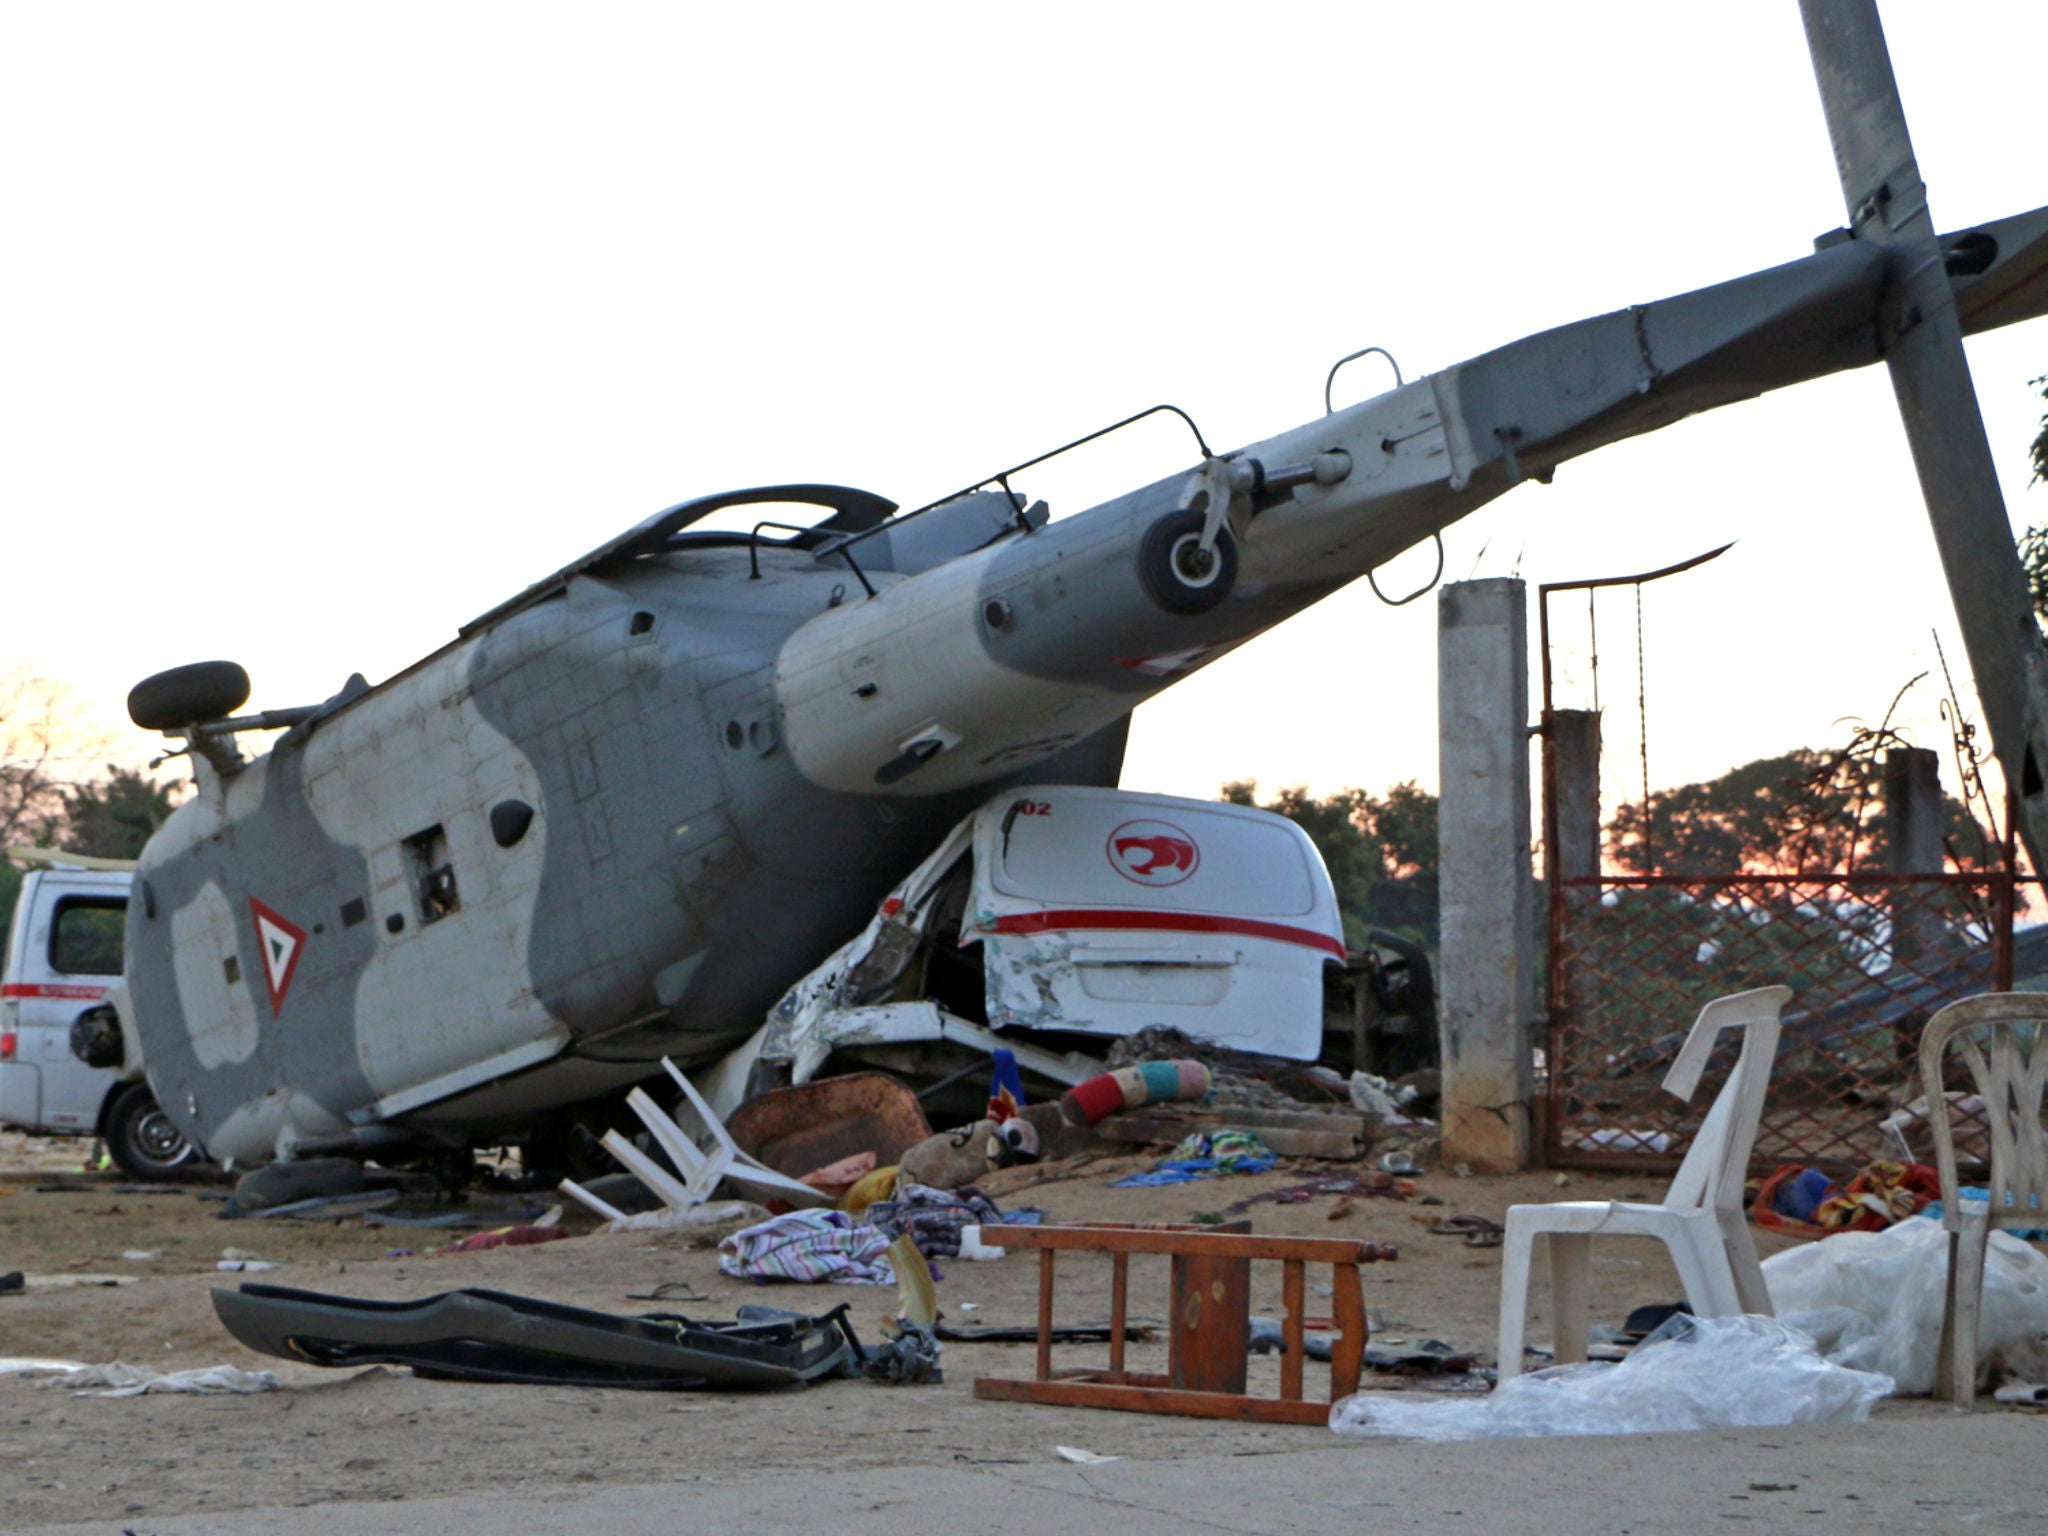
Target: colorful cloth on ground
pixel 808 1246
pixel 1805 1203
pixel 1204 1155
pixel 933 1217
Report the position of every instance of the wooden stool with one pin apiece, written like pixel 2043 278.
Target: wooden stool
pixel 1210 1321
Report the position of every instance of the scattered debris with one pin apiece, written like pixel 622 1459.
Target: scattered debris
pixel 1381 1101
pixel 1380 1186
pixel 1141 1332
pixel 1085 1458
pixel 708 1218
pixel 813 1129
pixel 2022 1394
pixel 504 1237
pixel 1691 1374
pixel 909 1358
pixel 808 1246
pixel 668 1290
pixel 974 1249
pixel 702 1171
pixel 1291 1132
pixel 1133 1087
pixel 487 1336
pixel 122 1380
pixel 323 1207
pixel 436 1220
pixel 958 1158
pixel 1427 1357
pixel 936 1218
pixel 1478 1231
pixel 1805 1202
pixel 1874 1300
pixel 1237 1078
pixel 1204 1156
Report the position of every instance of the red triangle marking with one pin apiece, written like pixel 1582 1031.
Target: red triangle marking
pixel 280 942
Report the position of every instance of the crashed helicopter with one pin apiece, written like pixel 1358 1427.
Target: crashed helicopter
pixel 617 815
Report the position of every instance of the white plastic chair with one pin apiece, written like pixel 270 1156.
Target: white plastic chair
pixel 1702 1220
pixel 2000 1039
pixel 702 1171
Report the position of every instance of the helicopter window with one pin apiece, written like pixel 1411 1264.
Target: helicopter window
pixel 735 735
pixel 433 875
pixel 641 623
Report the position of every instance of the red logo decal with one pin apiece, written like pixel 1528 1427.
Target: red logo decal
pixel 1153 853
pixel 281 942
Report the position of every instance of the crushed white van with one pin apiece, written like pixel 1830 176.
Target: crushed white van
pixel 1058 918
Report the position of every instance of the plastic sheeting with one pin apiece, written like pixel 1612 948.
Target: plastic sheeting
pixel 1690 1374
pixel 120 1379
pixel 1873 1300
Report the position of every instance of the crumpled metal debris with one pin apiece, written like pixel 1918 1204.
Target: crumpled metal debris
pixel 910 1357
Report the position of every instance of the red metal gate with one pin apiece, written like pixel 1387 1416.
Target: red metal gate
pixel 1632 957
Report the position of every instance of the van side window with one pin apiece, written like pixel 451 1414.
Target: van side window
pixel 85 937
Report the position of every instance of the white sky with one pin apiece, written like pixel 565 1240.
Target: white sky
pixel 326 328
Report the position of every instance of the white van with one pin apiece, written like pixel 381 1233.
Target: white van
pixel 1095 912
pixel 63 959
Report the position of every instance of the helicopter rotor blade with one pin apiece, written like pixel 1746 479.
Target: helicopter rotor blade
pixel 1920 333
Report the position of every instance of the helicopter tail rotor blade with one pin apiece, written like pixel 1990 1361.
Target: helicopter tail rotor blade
pixel 1920 331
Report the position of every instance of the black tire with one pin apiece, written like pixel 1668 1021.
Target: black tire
pixel 206 690
pixel 142 1140
pixel 1173 570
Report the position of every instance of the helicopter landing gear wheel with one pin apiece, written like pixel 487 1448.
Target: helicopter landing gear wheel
pixel 1177 573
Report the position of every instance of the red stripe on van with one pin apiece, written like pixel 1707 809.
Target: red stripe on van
pixel 51 989
pixel 1161 922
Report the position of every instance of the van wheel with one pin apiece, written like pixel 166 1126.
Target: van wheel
pixel 142 1139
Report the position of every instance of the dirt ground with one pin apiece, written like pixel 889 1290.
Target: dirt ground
pixel 385 1435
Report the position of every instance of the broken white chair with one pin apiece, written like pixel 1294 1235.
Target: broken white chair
pixel 1999 1038
pixel 701 1171
pixel 1702 1220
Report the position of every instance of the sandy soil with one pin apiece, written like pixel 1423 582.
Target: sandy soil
pixel 387 1435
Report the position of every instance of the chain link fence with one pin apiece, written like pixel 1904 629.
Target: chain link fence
pixel 1870 957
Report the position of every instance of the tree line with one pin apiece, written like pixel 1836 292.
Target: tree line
pixel 55 792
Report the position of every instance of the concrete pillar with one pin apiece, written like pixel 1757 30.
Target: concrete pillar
pixel 1486 995
pixel 1574 749
pixel 1912 819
